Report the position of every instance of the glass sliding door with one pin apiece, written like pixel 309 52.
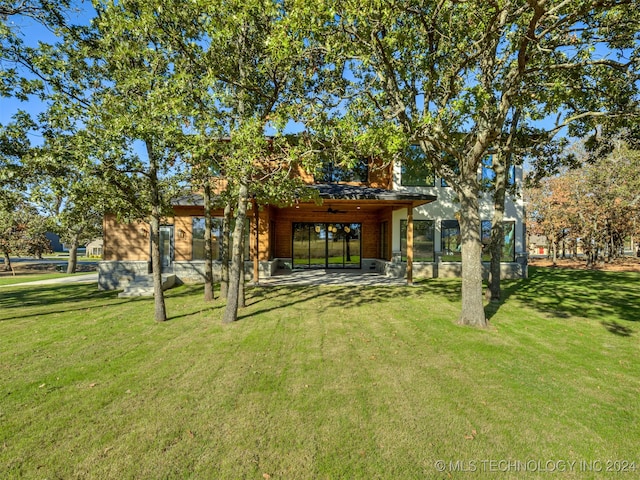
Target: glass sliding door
pixel 301 245
pixel 317 245
pixel 326 245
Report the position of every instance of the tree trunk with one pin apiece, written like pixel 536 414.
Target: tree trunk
pixel 160 311
pixel 242 301
pixel 501 167
pixel 73 255
pixel 224 251
pixel 256 237
pixel 497 228
pixel 472 298
pixel 7 263
pixel 231 310
pixel 156 267
pixel 209 293
pixel 493 293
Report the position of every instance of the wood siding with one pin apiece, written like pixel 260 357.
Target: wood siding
pixel 125 241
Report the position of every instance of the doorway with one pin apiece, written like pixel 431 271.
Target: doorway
pixel 327 245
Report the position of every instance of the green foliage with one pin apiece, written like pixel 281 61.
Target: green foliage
pixel 22 230
pixel 14 146
pixel 67 190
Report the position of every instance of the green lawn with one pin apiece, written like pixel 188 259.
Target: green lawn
pixel 324 382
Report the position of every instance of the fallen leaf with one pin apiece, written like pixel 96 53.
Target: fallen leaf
pixel 266 476
pixel 43 385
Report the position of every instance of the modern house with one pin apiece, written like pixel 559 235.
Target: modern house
pixel 364 223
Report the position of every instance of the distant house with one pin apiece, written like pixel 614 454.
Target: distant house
pixel 94 248
pixel 538 245
pixel 361 225
pixel 54 239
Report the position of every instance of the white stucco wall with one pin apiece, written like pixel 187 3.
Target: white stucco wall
pixel 446 206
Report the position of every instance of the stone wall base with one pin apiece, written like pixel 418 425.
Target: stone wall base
pixel 114 275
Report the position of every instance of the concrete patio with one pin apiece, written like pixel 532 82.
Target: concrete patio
pixel 330 277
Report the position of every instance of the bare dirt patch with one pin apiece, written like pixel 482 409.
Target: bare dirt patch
pixel 626 264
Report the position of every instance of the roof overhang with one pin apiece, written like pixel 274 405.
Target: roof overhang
pixel 340 193
pixel 189 200
pixel 357 192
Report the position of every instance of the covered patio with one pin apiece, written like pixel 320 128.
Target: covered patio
pixel 350 228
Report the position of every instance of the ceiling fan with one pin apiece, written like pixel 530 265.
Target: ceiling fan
pixel 330 210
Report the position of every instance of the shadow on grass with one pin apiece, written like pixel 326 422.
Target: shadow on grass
pixel 610 297
pixel 346 296
pixel 13 301
pixel 617 329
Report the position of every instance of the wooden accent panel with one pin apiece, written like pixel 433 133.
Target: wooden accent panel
pixel 125 241
pixel 182 235
pixel 304 175
pixel 380 174
pixel 264 221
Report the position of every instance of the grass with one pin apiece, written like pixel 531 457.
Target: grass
pixel 323 382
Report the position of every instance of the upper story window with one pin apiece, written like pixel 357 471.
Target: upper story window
pixel 416 169
pixel 335 173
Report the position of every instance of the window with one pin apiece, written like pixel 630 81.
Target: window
pixel 384 240
pixel 508 245
pixel 198 238
pixel 451 241
pixel 416 169
pixel 216 240
pixel 423 235
pixel 335 173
